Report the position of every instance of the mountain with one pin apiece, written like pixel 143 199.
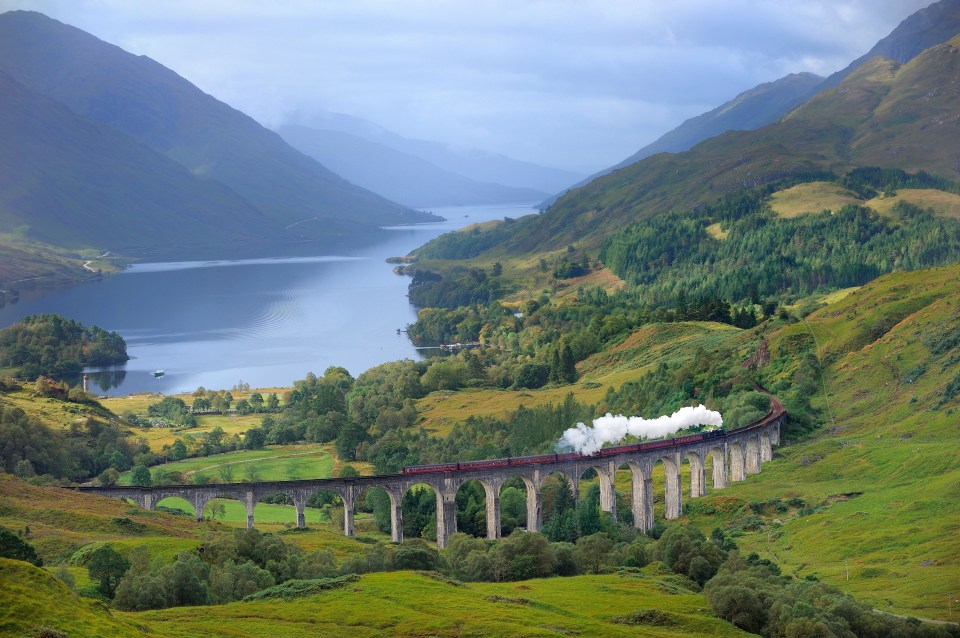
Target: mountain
pixel 883 114
pixel 752 109
pixel 927 27
pixel 767 103
pixel 157 107
pixel 69 181
pixel 479 165
pixel 399 176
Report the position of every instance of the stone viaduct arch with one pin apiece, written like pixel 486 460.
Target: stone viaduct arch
pixel 733 455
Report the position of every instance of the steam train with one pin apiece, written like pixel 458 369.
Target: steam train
pixel 776 410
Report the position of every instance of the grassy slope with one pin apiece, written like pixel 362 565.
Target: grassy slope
pixel 898 538
pixel 811 197
pixel 33 598
pixel 275 463
pixel 884 438
pixel 62 521
pixel 407 604
pixel 52 412
pixel 637 354
pixel 942 203
pixel 814 197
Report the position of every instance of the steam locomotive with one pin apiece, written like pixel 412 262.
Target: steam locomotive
pixel 776 410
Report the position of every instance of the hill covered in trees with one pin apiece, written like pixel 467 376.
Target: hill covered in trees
pixel 48 344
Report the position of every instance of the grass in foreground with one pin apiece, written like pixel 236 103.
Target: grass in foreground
pixel 396 604
pixel 411 604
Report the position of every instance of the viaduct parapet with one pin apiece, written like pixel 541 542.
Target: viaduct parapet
pixel 734 455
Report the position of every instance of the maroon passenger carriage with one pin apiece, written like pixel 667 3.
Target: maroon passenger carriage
pixel 776 410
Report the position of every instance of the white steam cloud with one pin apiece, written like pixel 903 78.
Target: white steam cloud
pixel 611 428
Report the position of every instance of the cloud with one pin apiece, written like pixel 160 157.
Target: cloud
pixel 576 83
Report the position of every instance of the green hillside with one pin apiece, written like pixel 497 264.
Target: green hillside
pixel 883 114
pixel 880 476
pixel 33 600
pixel 416 605
pixel 867 502
pixel 24 263
pixel 407 604
pixel 874 486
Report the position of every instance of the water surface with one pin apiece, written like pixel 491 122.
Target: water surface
pixel 264 321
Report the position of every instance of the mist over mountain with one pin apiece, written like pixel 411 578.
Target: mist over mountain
pixel 768 102
pixel 399 176
pixel 883 114
pixel 478 165
pixel 152 104
pixel 752 109
pixel 927 27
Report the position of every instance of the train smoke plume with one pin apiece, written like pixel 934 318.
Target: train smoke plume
pixel 611 428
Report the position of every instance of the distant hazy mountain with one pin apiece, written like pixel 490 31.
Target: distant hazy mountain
pixel 927 27
pixel 478 165
pixel 72 182
pixel 157 107
pixel 399 176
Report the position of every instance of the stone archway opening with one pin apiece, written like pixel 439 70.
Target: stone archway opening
pixel 471 501
pixel 514 498
pixel 325 508
pixel 273 511
pixel 558 507
pixel 175 505
pixel 419 506
pixel 374 510
pixel 225 509
pixel 624 487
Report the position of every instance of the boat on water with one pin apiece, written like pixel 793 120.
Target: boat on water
pixel 159 373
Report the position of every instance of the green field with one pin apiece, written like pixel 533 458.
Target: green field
pixel 275 463
pixel 406 604
pixel 812 197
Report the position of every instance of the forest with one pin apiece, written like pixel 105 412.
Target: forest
pixel 48 344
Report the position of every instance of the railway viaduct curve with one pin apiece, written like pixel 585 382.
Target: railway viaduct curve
pixel 734 455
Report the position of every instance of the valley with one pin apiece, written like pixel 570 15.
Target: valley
pixel 712 389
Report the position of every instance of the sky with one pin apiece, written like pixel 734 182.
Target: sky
pixel 573 84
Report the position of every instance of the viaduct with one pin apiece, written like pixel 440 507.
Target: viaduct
pixel 734 455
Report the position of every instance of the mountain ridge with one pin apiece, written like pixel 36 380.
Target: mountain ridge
pixel 397 175
pixel 836 130
pixel 109 175
pixel 770 101
pixel 479 165
pixel 157 107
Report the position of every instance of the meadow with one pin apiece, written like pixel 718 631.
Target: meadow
pixel 629 603
pixel 274 463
